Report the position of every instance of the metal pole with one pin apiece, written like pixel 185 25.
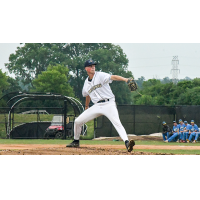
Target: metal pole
pixel 65 116
pixel 9 126
pixel 13 119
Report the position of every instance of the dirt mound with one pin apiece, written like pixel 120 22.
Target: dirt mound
pixel 85 150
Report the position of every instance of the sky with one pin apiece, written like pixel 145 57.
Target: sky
pixel 151 60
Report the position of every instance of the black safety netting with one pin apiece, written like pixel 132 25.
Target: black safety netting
pixel 137 120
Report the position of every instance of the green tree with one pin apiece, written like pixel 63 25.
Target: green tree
pixel 3 82
pixel 3 85
pixel 140 81
pixel 146 100
pixel 166 80
pixel 186 92
pixel 54 80
pixel 32 59
pixel 190 97
pixel 13 85
pixel 161 93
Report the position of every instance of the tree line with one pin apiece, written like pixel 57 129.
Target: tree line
pixel 154 92
pixel 59 68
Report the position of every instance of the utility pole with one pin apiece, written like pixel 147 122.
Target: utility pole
pixel 175 69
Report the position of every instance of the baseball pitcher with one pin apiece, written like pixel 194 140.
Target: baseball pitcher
pixel 97 89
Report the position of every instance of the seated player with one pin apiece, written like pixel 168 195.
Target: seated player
pixel 186 131
pixel 193 131
pixel 166 131
pixel 181 130
pixel 175 132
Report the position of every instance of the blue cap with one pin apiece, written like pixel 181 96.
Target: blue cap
pixel 89 63
pixel 185 122
pixel 192 121
pixel 180 120
pixel 163 123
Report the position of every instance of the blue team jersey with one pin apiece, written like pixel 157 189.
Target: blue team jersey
pixel 194 128
pixel 175 128
pixel 188 127
pixel 181 127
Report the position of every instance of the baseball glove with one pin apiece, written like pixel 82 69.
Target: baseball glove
pixel 132 84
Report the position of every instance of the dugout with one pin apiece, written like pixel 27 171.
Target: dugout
pixel 24 129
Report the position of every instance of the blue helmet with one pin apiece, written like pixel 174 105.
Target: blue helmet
pixel 164 123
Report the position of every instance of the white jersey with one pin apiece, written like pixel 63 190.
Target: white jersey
pixel 98 89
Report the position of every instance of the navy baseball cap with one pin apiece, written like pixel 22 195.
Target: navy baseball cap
pixel 185 122
pixel 174 121
pixel 89 62
pixel 163 123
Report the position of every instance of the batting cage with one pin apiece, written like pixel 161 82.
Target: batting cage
pixel 52 116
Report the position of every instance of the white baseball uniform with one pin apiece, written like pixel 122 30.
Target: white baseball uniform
pixel 99 89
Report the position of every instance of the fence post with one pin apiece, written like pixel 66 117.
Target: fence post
pixel 174 113
pixel 65 116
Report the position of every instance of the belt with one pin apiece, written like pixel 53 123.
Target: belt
pixel 101 101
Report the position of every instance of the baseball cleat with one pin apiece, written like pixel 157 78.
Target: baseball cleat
pixel 73 144
pixel 166 140
pixel 129 145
